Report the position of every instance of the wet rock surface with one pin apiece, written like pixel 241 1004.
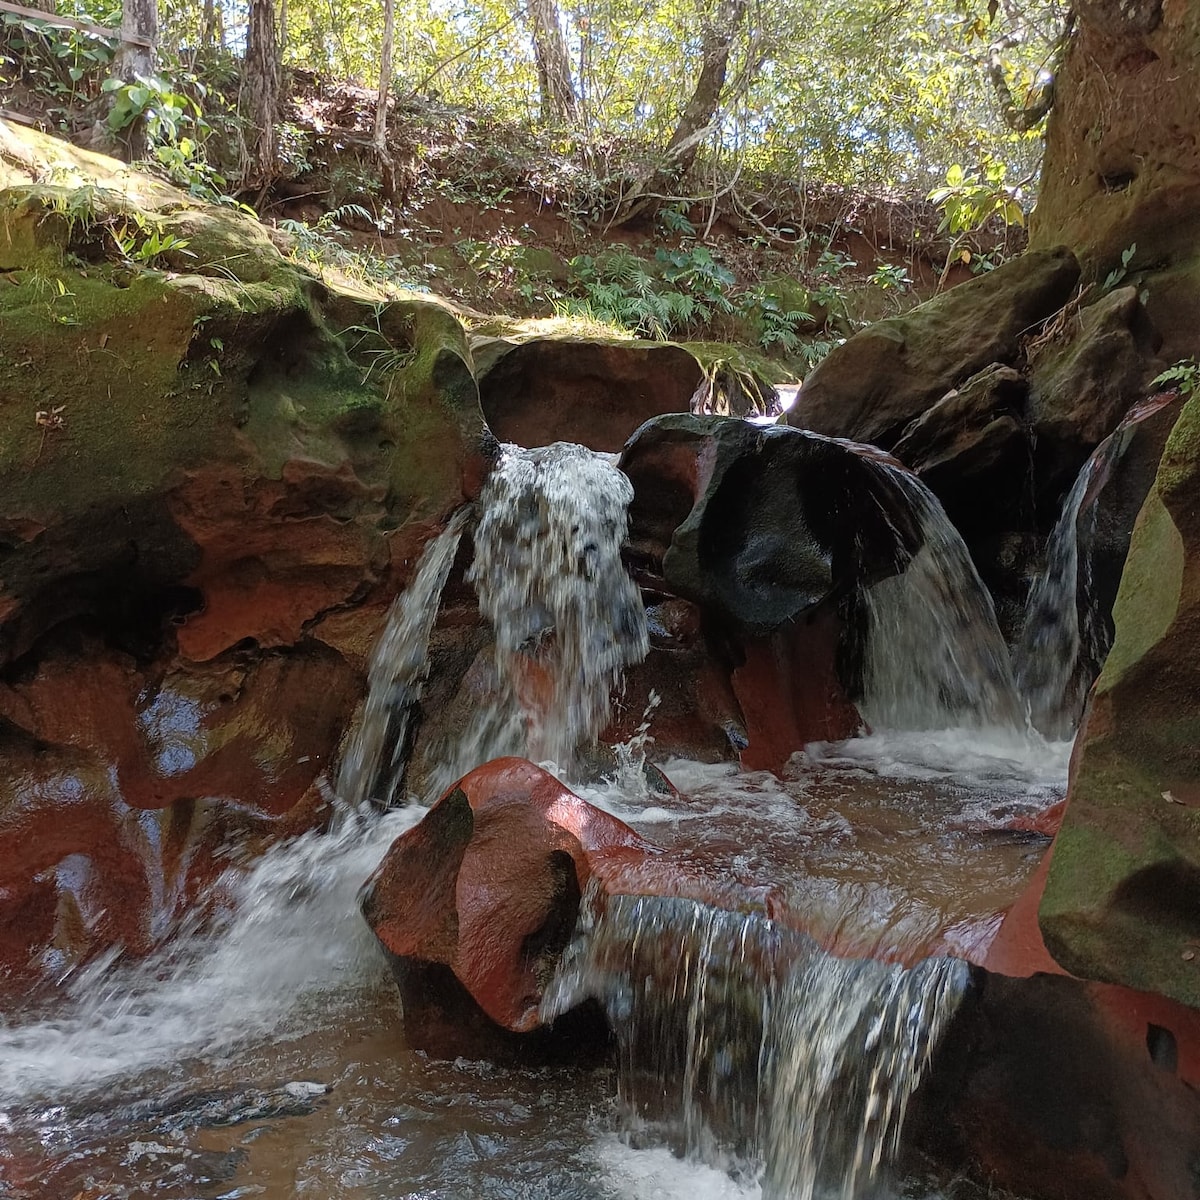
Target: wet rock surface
pixel 1046 1077
pixel 482 896
pixel 1124 887
pixel 197 539
pixel 759 525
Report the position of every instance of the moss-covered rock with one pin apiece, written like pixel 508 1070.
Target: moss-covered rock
pixel 1122 902
pixel 871 387
pixel 216 468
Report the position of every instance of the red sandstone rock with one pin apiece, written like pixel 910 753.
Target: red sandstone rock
pixel 489 885
pixel 125 788
pixel 1061 1087
pixel 592 393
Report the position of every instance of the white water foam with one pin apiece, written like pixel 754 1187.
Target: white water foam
pixel 290 946
pixel 1002 759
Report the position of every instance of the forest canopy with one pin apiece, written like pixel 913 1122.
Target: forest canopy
pixel 886 94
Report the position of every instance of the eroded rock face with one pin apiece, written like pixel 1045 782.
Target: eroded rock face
pixel 1124 888
pixel 1055 1086
pixel 488 887
pixel 592 393
pixel 1120 185
pixel 873 385
pixel 199 536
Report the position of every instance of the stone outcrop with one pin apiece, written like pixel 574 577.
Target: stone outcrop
pixel 1121 180
pixel 476 904
pixel 1124 888
pixel 873 385
pixel 595 393
pixel 1081 384
pixel 215 470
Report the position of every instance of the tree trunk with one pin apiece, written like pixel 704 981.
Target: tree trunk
pixel 702 108
pixel 699 115
pixel 136 56
pixel 379 135
pixel 387 171
pixel 139 36
pixel 553 65
pixel 260 94
pixel 207 24
pixel 1118 172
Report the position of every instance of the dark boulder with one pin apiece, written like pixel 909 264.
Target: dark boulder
pixel 971 449
pixel 759 525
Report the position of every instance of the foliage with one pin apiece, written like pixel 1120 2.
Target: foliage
pixel 1117 274
pixel 64 64
pixel 143 241
pixel 969 200
pixel 1182 377
pixel 864 91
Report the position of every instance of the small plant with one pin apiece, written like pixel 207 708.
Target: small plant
pixel 1182 377
pixel 1117 274
pixel 970 199
pixel 150 98
pixel 376 346
pixel 778 327
pixel 888 277
pixel 142 240
pixel 674 220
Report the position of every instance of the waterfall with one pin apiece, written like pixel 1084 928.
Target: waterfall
pixel 746 1039
pixel 567 617
pixel 1048 655
pixel 935 657
pixel 373 766
pixel 1067 631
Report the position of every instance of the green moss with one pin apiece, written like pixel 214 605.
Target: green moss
pixel 1150 588
pixel 1180 463
pixel 740 358
pixel 119 380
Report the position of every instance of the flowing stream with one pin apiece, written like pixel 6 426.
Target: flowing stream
pixel 935 657
pixel 260 1053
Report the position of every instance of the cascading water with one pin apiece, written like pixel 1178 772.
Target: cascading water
pixel 567 617
pixel 373 766
pixel 1049 654
pixel 747 1040
pixel 1067 631
pixel 935 657
pixel 789 1065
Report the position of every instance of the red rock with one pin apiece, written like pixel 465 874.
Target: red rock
pixel 790 693
pixel 126 784
pixel 488 884
pixel 482 896
pixel 592 393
